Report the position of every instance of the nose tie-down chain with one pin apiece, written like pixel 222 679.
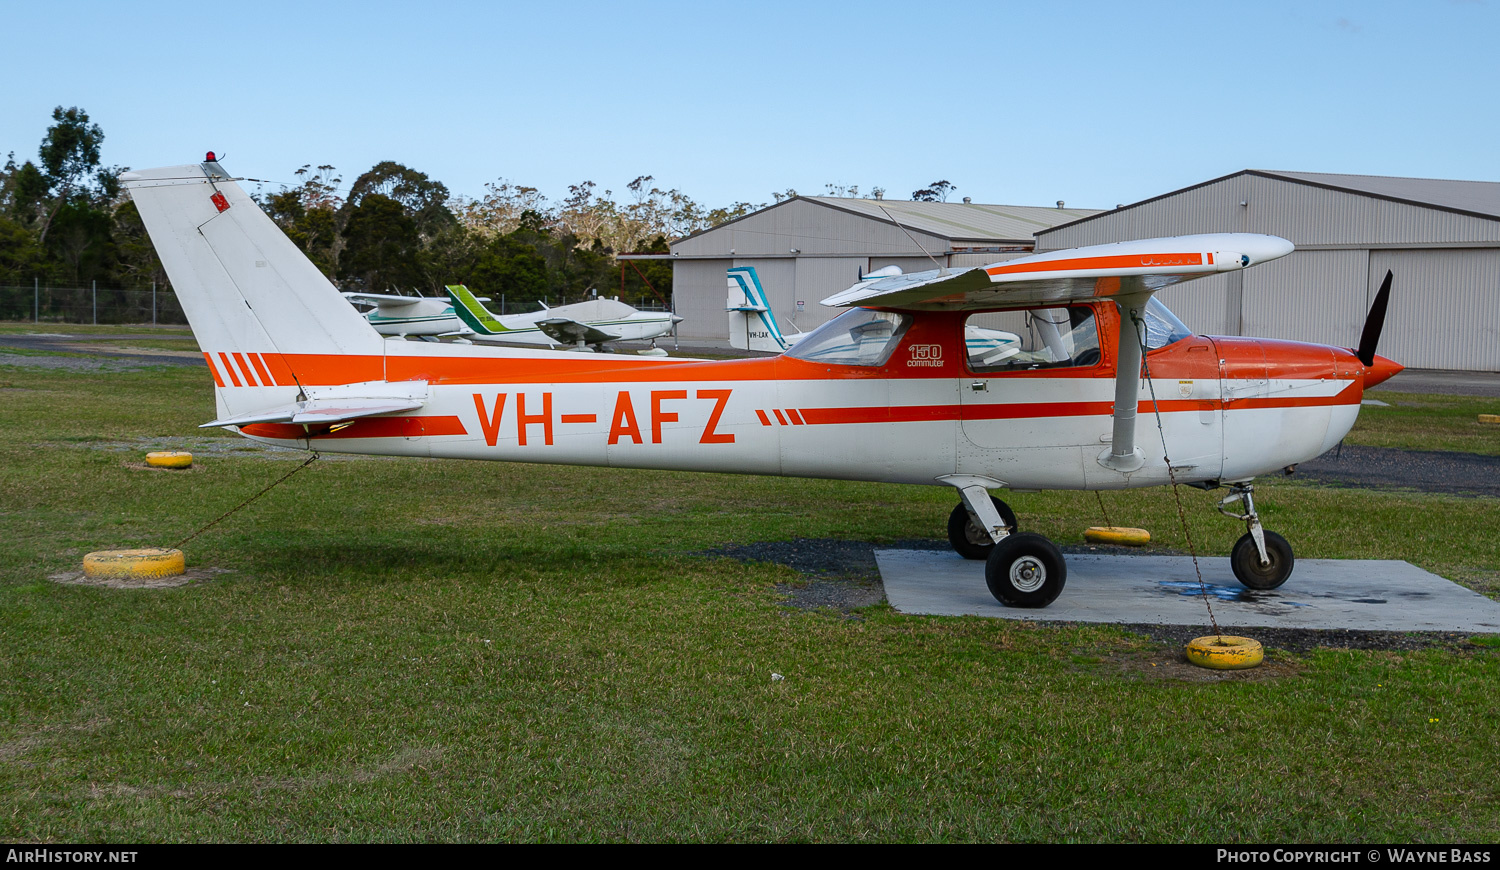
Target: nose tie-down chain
pixel 1139 330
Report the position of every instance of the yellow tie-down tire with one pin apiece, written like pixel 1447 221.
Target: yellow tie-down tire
pixel 170 459
pixel 1117 535
pixel 1225 652
pixel 149 563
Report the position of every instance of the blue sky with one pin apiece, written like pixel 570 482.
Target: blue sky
pixel 1092 103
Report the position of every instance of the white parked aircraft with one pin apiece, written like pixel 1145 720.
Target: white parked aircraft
pixel 581 324
pixel 461 313
pixel 887 391
pixel 409 315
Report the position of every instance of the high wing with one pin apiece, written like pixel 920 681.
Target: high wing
pixel 567 331
pixel 1073 275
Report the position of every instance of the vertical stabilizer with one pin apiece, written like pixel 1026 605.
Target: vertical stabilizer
pixel 468 308
pixel 752 326
pixel 258 307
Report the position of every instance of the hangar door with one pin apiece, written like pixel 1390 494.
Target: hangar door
pixel 698 293
pixel 1442 313
pixel 817 279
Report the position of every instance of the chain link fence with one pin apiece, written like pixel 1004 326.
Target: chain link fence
pixel 40 303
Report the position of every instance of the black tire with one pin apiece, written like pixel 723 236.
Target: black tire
pixel 1025 570
pixel 1245 560
pixel 968 539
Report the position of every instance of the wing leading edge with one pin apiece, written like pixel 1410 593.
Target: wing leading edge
pixel 1072 275
pixel 565 330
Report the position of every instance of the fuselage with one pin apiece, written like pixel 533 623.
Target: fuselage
pixel 421 317
pixel 1229 409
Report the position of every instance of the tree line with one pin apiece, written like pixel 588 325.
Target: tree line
pixel 65 222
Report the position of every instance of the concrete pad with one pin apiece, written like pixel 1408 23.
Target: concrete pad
pixel 1370 595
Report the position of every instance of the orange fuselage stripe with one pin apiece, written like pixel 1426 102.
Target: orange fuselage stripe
pixel 412 427
pixel 260 369
pixel 1078 264
pixel 245 370
pixel 367 427
pixel 229 369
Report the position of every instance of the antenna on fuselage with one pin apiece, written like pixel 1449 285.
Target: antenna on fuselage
pixel 942 270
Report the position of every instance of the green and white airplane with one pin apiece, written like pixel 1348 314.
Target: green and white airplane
pixel 581 324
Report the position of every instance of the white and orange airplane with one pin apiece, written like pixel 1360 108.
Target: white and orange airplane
pixel 887 391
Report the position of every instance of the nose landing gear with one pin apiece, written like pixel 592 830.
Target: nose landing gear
pixel 1261 560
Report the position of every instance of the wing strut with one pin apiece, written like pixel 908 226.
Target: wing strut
pixel 1123 455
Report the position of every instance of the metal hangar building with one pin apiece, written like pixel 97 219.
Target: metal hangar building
pixel 1440 238
pixel 807 248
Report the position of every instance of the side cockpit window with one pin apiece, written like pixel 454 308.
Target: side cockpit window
pixel 1042 338
pixel 861 337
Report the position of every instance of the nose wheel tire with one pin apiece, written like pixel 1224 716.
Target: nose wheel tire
pixel 968 539
pixel 1025 570
pixel 1245 560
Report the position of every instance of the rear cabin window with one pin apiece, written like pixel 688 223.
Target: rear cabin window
pixel 861 337
pixel 1041 338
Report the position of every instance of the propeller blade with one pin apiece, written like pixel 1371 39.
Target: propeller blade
pixel 1374 323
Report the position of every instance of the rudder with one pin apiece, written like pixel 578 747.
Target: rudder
pixel 752 325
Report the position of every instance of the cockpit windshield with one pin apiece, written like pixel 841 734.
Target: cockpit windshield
pixel 1162 326
pixel 860 337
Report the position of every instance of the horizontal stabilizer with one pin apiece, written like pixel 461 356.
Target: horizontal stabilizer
pixel 1073 275
pixel 319 411
pixel 383 300
pixel 338 404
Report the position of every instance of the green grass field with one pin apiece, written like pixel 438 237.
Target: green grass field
pixel 1417 421
pixel 421 650
pixel 50 328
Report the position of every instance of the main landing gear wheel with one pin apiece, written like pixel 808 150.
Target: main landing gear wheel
pixel 1025 570
pixel 1245 560
pixel 971 541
